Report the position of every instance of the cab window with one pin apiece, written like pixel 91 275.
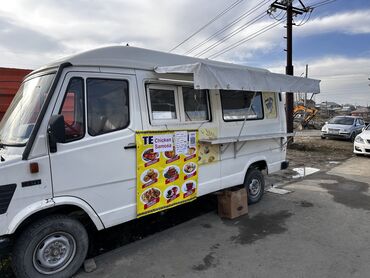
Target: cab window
pixel 107 105
pixel 73 110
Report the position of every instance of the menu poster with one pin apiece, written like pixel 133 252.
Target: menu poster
pixel 167 169
pixel 181 142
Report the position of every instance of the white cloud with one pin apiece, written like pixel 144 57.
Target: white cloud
pixel 82 24
pixel 354 22
pixel 343 79
pixel 37 32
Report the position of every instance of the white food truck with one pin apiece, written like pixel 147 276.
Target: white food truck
pixel 69 153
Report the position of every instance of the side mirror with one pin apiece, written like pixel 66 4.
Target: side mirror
pixel 56 132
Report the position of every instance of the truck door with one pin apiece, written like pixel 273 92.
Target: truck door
pixel 97 162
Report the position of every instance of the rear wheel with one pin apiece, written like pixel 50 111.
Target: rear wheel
pixel 254 182
pixel 55 246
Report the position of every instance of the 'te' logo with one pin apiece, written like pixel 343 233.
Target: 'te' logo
pixel 148 140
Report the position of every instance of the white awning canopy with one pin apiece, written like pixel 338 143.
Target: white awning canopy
pixel 210 76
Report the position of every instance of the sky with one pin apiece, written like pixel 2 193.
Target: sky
pixel 334 39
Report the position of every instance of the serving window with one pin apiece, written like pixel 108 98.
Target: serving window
pixel 196 106
pixel 163 103
pixel 241 105
pixel 175 104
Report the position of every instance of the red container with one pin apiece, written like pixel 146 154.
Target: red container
pixel 10 80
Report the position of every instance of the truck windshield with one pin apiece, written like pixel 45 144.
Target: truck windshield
pixel 20 118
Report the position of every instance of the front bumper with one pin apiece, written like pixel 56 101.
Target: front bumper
pixel 343 135
pixel 360 148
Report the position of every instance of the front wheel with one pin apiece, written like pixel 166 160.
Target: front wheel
pixel 254 182
pixel 353 137
pixel 55 246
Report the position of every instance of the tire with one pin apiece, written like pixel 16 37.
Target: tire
pixel 353 136
pixel 323 137
pixel 39 247
pixel 254 183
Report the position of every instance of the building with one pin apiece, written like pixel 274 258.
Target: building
pixel 10 80
pixel 363 112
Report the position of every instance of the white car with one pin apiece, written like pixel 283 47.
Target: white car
pixel 361 145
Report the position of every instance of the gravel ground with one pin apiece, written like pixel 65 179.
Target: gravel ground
pixel 309 150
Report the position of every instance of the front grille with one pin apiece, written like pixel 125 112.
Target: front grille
pixel 6 195
pixel 367 150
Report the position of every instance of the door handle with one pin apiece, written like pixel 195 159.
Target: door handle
pixel 130 146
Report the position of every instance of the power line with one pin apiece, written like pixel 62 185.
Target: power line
pixel 271 15
pixel 304 20
pixel 287 5
pixel 248 38
pixel 233 5
pixel 228 26
pixel 322 3
pixel 232 34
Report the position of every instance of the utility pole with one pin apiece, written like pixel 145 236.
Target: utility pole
pixel 305 94
pixel 287 5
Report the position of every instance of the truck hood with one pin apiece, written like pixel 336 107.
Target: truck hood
pixel 10 155
pixel 335 126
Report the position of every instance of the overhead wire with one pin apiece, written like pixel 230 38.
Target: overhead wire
pixel 229 8
pixel 322 3
pixel 271 15
pixel 228 26
pixel 311 8
pixel 304 20
pixel 248 38
pixel 232 34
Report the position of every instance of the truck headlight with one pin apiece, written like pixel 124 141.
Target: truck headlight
pixel 359 140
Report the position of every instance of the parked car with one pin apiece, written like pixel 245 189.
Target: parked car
pixel 361 145
pixel 346 127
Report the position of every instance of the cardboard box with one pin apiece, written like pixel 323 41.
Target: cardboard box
pixel 232 203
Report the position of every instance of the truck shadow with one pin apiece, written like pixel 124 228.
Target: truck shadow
pixel 112 238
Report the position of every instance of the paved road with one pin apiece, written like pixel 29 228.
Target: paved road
pixel 321 229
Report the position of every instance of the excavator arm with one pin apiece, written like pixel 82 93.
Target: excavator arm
pixel 305 113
